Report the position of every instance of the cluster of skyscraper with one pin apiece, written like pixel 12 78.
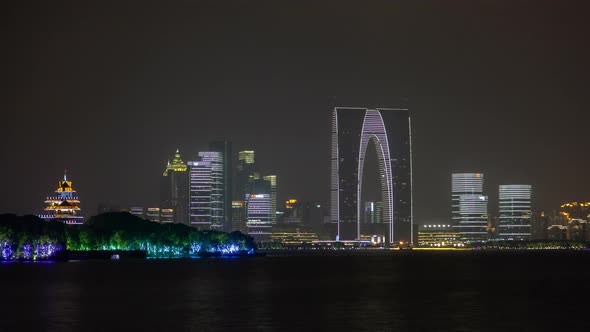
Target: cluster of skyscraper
pixel 470 218
pixel 569 222
pixel 471 221
pixel 201 192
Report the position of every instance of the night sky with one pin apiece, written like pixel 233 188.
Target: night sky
pixel 109 89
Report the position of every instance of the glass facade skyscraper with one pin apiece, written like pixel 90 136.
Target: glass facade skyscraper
pixel 225 148
pixel 469 206
pixel 258 210
pixel 515 212
pixel 246 173
pixel 246 156
pixel 272 179
pixel 389 130
pixel 206 191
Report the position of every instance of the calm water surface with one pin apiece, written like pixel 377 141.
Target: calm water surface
pixel 366 291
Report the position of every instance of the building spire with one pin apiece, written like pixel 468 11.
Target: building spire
pixel 65 175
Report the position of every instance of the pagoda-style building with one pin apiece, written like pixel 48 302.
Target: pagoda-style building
pixel 63 205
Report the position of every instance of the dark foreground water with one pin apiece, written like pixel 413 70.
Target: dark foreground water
pixel 368 291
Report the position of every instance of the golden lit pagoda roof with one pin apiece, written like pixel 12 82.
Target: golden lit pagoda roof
pixel 177 164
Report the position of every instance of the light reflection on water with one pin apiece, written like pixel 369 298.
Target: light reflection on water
pixel 366 292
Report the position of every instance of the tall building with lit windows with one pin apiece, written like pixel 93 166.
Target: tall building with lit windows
pixel 206 191
pixel 238 216
pixel 225 148
pixel 63 205
pixel 246 173
pixel 389 132
pixel 246 156
pixel 469 207
pixel 515 212
pixel 174 189
pixel 259 222
pixel 272 179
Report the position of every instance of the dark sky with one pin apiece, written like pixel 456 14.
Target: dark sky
pixel 109 89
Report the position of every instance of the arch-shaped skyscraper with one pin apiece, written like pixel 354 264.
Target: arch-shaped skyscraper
pixel 389 130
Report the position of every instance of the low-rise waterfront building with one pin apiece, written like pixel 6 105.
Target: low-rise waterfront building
pixel 438 236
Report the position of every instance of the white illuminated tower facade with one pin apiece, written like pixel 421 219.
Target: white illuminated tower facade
pixel 389 131
pixel 206 191
pixel 273 196
pixel 515 212
pixel 469 207
pixel 258 211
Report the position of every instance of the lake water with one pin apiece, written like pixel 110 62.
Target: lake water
pixel 347 291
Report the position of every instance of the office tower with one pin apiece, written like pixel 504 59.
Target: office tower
pixel 138 211
pixel 174 189
pixel 389 130
pixel 469 206
pixel 515 212
pixel 166 216
pixel 238 216
pixel 217 187
pixel 258 209
pixel 246 156
pixel 63 205
pixel 246 173
pixel 225 148
pixel 153 214
pixel 206 191
pixel 272 179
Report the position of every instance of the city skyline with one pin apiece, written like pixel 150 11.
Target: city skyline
pixel 263 165
pixel 473 106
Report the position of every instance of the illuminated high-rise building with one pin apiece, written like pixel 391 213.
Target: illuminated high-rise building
pixel 174 189
pixel 166 216
pixel 137 211
pixel 515 212
pixel 152 214
pixel 272 179
pixel 246 173
pixel 238 216
pixel 246 156
pixel 469 207
pixel 389 131
pixel 206 191
pixel 63 205
pixel 225 148
pixel 258 210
